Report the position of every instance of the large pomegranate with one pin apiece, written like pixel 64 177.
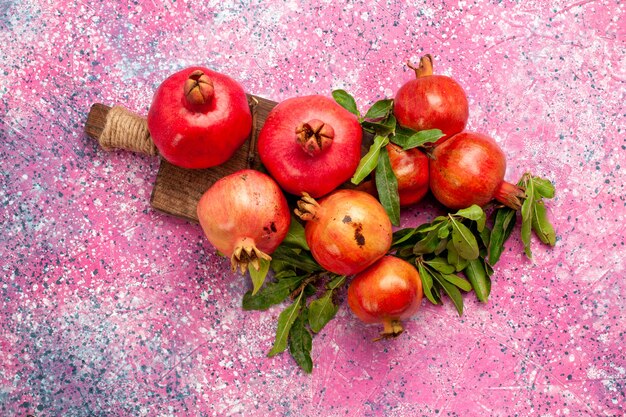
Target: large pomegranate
pixel 469 169
pixel 245 216
pixel 347 231
pixel 431 101
pixel 310 144
pixel 199 118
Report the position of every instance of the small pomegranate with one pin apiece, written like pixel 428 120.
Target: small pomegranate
pixel 347 231
pixel 431 102
pixel 469 169
pixel 310 144
pixel 199 118
pixel 411 169
pixel 387 292
pixel 245 216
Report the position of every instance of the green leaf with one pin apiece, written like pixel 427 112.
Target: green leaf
pixel 409 139
pixel 380 109
pixel 427 244
pixel 474 213
pixel 302 260
pixel 477 276
pixel 273 293
pixel 295 236
pixel 527 217
pixel 427 284
pixel 301 343
pixel 258 276
pixel 387 187
pixel 454 258
pixel 369 160
pixel 464 240
pixel 543 187
pixel 441 265
pixel 345 100
pixel 384 127
pixel 443 232
pixel 321 311
pixel 402 235
pixel 285 321
pixel 503 225
pixel 452 291
pixel 458 281
pixel 542 226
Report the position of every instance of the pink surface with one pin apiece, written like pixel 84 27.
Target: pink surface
pixel 110 308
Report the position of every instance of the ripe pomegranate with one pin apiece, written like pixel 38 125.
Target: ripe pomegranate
pixel 411 169
pixel 431 102
pixel 245 216
pixel 310 144
pixel 469 169
pixel 199 118
pixel 387 292
pixel 347 230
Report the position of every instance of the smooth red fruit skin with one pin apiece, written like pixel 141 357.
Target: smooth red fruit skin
pixel 199 136
pixel 432 102
pixel 390 289
pixel 350 231
pixel 245 204
pixel 411 170
pixel 294 169
pixel 467 169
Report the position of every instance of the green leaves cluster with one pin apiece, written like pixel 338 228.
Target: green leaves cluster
pixel 449 253
pixel 380 121
pixel 310 292
pixel 533 214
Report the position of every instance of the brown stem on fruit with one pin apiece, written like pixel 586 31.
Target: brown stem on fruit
pixel 314 136
pixel 391 329
pixel 199 88
pixel 246 253
pixel 510 195
pixel 308 208
pixel 425 67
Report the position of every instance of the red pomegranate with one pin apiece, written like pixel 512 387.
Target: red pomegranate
pixel 469 169
pixel 310 144
pixel 431 101
pixel 199 118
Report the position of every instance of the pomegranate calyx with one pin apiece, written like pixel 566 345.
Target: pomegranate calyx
pixel 391 329
pixel 308 209
pixel 246 253
pixel 198 88
pixel 425 67
pixel 510 195
pixel 314 136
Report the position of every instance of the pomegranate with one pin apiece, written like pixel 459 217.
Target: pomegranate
pixel 245 216
pixel 199 118
pixel 310 144
pixel 469 169
pixel 411 170
pixel 347 231
pixel 431 102
pixel 387 292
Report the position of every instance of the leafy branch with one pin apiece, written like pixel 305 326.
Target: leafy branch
pixel 449 253
pixel 297 278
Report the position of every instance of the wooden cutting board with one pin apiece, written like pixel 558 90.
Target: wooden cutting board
pixel 177 190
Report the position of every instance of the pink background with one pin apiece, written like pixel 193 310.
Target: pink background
pixel 110 308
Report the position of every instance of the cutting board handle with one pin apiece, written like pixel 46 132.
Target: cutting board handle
pixel 118 128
